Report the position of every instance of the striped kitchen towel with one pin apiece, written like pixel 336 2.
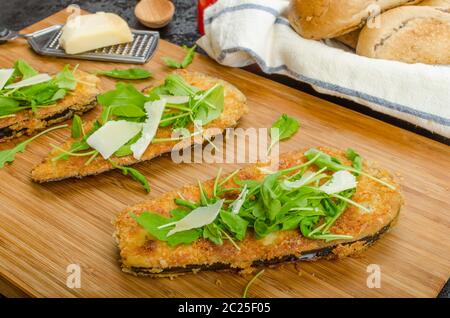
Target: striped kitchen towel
pixel 241 32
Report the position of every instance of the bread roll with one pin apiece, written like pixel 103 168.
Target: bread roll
pixel 350 39
pixel 323 19
pixel 411 34
pixel 436 3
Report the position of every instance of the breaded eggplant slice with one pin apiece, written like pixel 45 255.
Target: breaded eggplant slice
pixel 234 108
pixel 78 101
pixel 142 255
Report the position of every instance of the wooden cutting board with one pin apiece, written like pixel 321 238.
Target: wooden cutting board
pixel 44 228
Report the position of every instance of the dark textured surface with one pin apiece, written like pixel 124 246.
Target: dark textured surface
pixel 17 14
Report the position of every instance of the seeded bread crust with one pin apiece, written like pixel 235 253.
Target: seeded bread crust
pixel 412 34
pixel 324 19
pixel 443 4
pixel 351 39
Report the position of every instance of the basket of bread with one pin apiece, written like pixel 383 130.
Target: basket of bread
pixel 410 31
pixel 390 55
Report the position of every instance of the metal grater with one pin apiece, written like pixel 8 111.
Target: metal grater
pixel 139 51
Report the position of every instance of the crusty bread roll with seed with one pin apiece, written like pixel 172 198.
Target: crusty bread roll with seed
pixel 437 3
pixel 324 19
pixel 410 34
pixel 351 39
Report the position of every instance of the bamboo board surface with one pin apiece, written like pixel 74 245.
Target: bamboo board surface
pixel 44 228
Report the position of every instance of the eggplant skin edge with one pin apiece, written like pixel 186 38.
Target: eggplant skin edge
pixel 337 251
pixel 25 128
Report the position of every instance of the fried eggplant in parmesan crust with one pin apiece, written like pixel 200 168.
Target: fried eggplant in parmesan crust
pixel 78 101
pixel 142 254
pixel 234 108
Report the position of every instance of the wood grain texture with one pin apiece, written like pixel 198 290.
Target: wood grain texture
pixel 45 228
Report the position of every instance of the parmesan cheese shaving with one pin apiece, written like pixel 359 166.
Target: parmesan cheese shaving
pixel 37 79
pixel 237 204
pixel 340 181
pixel 154 112
pixel 175 99
pixel 113 135
pixel 5 74
pixel 305 179
pixel 197 218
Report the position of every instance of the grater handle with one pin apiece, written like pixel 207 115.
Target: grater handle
pixel 3 33
pixel 9 35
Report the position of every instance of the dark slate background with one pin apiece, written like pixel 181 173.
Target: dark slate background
pixel 17 14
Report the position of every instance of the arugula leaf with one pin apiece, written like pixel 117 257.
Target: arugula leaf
pixel 24 69
pixel 175 85
pixel 59 94
pixel 186 60
pixel 135 174
pixel 77 127
pixel 38 94
pixel 209 104
pixel 184 237
pixel 75 147
pixel 235 224
pixel 171 62
pixel 125 150
pixel 65 79
pixel 152 222
pixel 123 95
pixel 291 222
pixel 8 106
pixel 185 203
pixel 324 160
pixel 262 229
pixel 8 155
pixel 128 111
pixel 211 232
pixel 267 207
pixel 129 74
pixel 283 128
pixel 35 95
pixel 355 158
pixel 307 224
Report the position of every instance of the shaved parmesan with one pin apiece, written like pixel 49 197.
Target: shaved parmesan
pixel 112 135
pixel 37 79
pixel 305 179
pixel 237 204
pixel 266 170
pixel 340 181
pixel 5 74
pixel 175 99
pixel 197 218
pixel 154 112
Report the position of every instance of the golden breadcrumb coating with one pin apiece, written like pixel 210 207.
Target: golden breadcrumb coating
pixel 234 108
pixel 141 254
pixel 78 101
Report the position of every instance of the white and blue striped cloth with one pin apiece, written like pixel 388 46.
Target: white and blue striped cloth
pixel 242 32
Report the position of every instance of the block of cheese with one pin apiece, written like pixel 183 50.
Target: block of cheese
pixel 89 32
